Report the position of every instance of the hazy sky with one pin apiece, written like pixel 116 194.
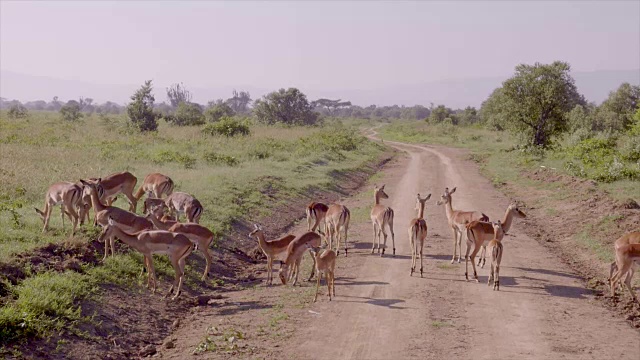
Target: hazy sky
pixel 321 45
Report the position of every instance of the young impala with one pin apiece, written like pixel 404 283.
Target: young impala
pixel 458 220
pixel 295 250
pixel 496 250
pixel 325 263
pixel 69 196
pixel 336 222
pixel 150 242
pixel 418 233
pixel 183 203
pixel 627 241
pixel 381 217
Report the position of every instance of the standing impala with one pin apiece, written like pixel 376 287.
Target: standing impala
pixel 316 211
pixel 150 242
pixel 381 217
pixel 624 240
pixel 418 233
pixel 155 184
pixel 273 249
pixel 337 221
pixel 496 249
pixel 124 219
pixel 325 262
pixel 479 233
pixel 183 203
pixel 458 220
pixel 123 182
pixel 69 196
pixel 197 233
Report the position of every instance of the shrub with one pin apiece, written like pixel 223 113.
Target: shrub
pixel 168 156
pixel 17 112
pixel 187 114
pixel 140 110
pixel 630 148
pixel 227 127
pixel 71 112
pixel 222 159
pixel 217 112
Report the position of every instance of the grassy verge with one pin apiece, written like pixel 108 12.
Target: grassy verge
pixel 234 178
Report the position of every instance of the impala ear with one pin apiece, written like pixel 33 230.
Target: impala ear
pixel 452 190
pixel 428 197
pixel 110 221
pixel 382 187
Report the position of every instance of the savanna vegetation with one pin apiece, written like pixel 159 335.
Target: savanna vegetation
pixel 238 167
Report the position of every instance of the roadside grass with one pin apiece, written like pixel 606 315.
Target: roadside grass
pixel 234 178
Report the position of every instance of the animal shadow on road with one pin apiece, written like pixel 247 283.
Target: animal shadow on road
pixel 388 303
pixel 350 281
pixel 236 307
pixel 548 272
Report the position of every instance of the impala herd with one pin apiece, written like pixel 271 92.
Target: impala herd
pixel 160 231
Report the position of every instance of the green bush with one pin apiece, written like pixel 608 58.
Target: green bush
pixel 17 112
pixel 168 156
pixel 71 112
pixel 228 127
pixel 217 112
pixel 187 114
pixel 220 159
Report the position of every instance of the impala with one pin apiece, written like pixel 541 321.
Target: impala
pixel 123 182
pixel 482 232
pixel 418 233
pixel 295 250
pixel 273 249
pixel 316 211
pixel 69 196
pixel 183 203
pixel 155 184
pixel 458 220
pixel 325 260
pixel 150 203
pixel 126 220
pixel 197 233
pixel 337 221
pixel 627 239
pixel 150 242
pixel 381 217
pixel 626 256
pixel 496 249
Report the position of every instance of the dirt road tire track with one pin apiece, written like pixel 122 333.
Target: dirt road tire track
pixel 541 311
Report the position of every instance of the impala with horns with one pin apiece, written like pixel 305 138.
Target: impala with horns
pixel 295 250
pixel 123 182
pixel 632 238
pixel 496 250
pixel 458 220
pixel 418 233
pixel 325 262
pixel 316 212
pixel 197 233
pixel 479 233
pixel 272 249
pixel 337 223
pixel 156 185
pixel 381 217
pixel 183 203
pixel 126 220
pixel 69 196
pixel 177 246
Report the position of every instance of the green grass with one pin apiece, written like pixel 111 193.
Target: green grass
pixel 241 177
pixel 440 324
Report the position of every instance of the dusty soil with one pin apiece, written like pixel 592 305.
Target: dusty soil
pixel 128 323
pixel 543 309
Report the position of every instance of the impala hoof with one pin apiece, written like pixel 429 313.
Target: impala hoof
pixel 453 260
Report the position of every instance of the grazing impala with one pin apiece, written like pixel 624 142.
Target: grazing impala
pixel 150 242
pixel 272 249
pixel 337 221
pixel 295 250
pixel 124 219
pixel 123 182
pixel 151 203
pixel 183 203
pixel 626 256
pixel 197 233
pixel 458 220
pixel 69 196
pixel 381 217
pixel 325 263
pixel 627 239
pixel 479 233
pixel 316 211
pixel 155 185
pixel 418 233
pixel 496 250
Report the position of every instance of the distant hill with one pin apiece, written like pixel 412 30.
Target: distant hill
pixel 595 85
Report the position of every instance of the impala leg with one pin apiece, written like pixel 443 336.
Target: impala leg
pixel 384 246
pixel 47 216
pixel 317 286
pixel 496 283
pixel 455 242
pixel 473 258
pixel 346 238
pixel 313 268
pixel 62 215
pixel 269 265
pixel 421 247
pixel 208 257
pixel 393 236
pixel 627 282
pixel 373 243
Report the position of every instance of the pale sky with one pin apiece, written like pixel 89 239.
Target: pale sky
pixel 320 45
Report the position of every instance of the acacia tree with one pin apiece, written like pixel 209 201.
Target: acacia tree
pixel 140 110
pixel 177 94
pixel 286 106
pixel 331 105
pixel 534 103
pixel 240 101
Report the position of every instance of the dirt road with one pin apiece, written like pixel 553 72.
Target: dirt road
pixel 541 310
